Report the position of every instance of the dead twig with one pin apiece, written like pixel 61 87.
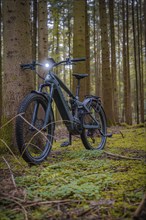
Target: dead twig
pixel 140 208
pixel 121 134
pixel 11 173
pixel 87 211
pixel 11 197
pixel 120 156
pixel 18 203
pixel 35 203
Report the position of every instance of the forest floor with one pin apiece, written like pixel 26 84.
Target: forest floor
pixel 74 183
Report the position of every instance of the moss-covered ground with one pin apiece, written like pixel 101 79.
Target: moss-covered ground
pixel 75 183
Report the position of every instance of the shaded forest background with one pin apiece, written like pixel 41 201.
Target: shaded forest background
pixel 111 34
pixel 75 183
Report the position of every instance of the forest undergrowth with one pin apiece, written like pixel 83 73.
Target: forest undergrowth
pixel 75 183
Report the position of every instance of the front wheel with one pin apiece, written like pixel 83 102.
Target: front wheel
pixel 94 138
pixel 34 143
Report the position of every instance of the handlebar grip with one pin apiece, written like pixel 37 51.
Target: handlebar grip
pixel 27 66
pixel 78 59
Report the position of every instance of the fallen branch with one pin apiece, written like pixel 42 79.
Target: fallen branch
pixel 11 173
pixel 140 209
pixel 29 203
pixel 11 197
pixel 87 211
pixel 35 203
pixel 120 156
pixel 121 134
pixel 18 203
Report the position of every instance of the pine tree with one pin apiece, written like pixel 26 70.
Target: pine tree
pixel 17 50
pixel 42 33
pixel 0 66
pixel 80 43
pixel 113 59
pixel 126 73
pixel 106 74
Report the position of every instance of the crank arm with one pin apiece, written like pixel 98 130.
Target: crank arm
pixel 105 135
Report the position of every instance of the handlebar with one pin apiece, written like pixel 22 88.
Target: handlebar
pixel 78 59
pixel 30 66
pixel 68 61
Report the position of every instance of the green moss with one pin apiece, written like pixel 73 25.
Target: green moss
pixel 6 134
pixel 89 181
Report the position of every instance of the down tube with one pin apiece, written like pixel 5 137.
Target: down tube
pixel 63 108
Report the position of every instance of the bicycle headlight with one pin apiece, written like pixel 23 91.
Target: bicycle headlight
pixel 47 65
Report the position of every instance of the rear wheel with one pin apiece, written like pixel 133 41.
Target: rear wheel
pixel 94 138
pixel 33 142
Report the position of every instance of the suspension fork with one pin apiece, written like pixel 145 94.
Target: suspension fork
pixel 48 110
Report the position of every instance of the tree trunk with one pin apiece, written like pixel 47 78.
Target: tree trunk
pixel 144 11
pixel 106 75
pixel 80 44
pixel 0 66
pixel 34 8
pixel 140 63
pixel 113 60
pixel 87 40
pixel 34 29
pixel 126 71
pixel 69 37
pixel 144 27
pixel 135 64
pixel 42 34
pixel 17 50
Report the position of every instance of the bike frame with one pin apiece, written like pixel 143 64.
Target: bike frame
pixel 55 84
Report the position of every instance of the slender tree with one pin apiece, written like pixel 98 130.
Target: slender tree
pixel 0 65
pixel 144 31
pixel 34 28
pixel 144 12
pixel 42 33
pixel 69 35
pixel 135 63
pixel 80 43
pixel 140 63
pixel 126 68
pixel 106 74
pixel 17 50
pixel 87 40
pixel 113 59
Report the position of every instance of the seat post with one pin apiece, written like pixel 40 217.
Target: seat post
pixel 78 89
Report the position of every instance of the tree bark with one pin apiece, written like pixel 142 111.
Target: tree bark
pixel 140 62
pixel 113 60
pixel 107 87
pixel 42 34
pixel 17 50
pixel 127 85
pixel 0 67
pixel 34 29
pixel 80 44
pixel 135 64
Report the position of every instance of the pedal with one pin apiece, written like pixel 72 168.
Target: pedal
pixel 106 135
pixel 109 135
pixel 65 144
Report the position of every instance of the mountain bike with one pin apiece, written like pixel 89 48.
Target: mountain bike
pixel 35 123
